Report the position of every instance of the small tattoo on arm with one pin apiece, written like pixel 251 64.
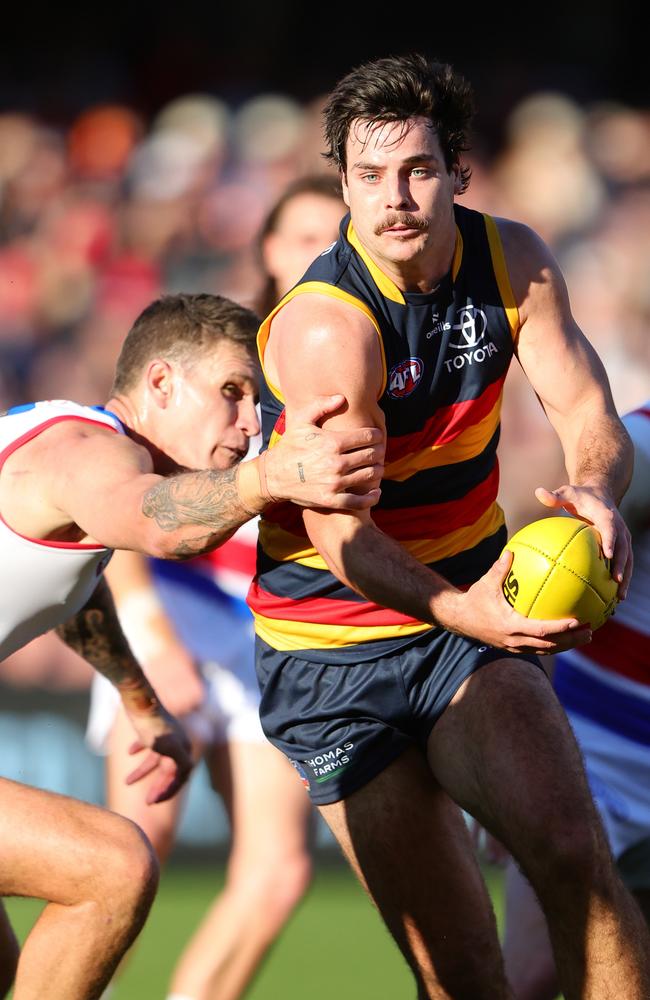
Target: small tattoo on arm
pixel 301 472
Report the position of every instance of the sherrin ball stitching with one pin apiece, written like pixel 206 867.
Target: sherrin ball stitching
pixel 553 559
pixel 568 569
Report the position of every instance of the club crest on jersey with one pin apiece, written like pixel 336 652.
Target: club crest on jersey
pixel 404 377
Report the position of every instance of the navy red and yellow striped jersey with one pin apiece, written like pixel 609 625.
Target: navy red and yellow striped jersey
pixel 445 356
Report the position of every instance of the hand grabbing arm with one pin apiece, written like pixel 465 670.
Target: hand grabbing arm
pixel 354 548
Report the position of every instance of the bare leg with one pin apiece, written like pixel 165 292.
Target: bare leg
pixel 528 954
pixel 99 876
pixel 504 750
pixel 268 871
pixel 9 953
pixel 410 847
pixel 158 821
pixel 527 949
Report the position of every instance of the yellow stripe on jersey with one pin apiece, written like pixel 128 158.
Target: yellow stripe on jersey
pixel 502 276
pixel 283 546
pixel 290 635
pixel 386 285
pixel 468 444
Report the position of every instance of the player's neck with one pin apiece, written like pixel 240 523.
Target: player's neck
pixel 136 419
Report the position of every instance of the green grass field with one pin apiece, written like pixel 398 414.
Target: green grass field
pixel 334 946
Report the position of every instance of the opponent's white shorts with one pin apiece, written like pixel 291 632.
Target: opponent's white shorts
pixel 218 629
pixel 618 771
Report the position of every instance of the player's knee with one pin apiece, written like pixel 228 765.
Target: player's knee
pixel 571 851
pixel 277 884
pixel 130 875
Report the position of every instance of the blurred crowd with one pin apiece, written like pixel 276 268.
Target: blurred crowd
pixel 99 217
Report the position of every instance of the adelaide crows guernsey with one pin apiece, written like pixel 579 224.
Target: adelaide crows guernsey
pixel 445 354
pixel 42 583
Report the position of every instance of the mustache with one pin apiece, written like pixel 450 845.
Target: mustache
pixel 402 219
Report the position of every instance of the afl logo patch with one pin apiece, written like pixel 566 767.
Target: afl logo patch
pixel 404 377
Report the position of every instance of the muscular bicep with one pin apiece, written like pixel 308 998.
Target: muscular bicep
pixel 99 480
pixel 318 348
pixel 322 348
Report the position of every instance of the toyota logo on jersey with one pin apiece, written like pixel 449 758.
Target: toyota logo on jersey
pixel 404 377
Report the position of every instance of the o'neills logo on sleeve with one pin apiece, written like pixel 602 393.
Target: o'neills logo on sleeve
pixel 404 377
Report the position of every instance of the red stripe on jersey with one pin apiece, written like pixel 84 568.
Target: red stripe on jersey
pixel 407 523
pixel 437 520
pixel 323 610
pixel 446 423
pixel 622 650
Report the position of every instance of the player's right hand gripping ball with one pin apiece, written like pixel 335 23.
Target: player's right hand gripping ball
pixel 559 571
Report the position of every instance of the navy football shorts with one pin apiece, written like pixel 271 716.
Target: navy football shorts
pixel 341 724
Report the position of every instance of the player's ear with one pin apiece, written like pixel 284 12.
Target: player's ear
pixel 458 178
pixel 160 382
pixel 344 188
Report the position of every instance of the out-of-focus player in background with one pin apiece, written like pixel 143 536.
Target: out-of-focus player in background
pixel 302 223
pixel 605 689
pixel 193 632
pixel 77 482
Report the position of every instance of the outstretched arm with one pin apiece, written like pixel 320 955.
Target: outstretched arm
pixel 104 483
pixel 572 386
pixel 95 633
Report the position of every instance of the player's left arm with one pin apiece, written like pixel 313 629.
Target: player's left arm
pixel 96 635
pixel 572 385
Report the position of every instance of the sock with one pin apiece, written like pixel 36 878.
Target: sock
pixel 179 996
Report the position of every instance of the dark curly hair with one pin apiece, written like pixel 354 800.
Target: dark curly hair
pixel 395 89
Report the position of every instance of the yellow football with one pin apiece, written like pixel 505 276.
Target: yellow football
pixel 559 571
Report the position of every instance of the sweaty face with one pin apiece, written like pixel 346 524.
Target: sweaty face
pixel 400 194
pixel 212 414
pixel 307 225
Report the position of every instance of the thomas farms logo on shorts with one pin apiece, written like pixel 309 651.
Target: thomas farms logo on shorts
pixel 330 762
pixel 404 377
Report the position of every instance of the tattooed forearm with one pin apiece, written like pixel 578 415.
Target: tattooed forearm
pixel 96 635
pixel 204 499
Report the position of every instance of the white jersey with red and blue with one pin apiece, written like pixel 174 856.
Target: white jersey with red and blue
pixel 43 583
pixel 605 689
